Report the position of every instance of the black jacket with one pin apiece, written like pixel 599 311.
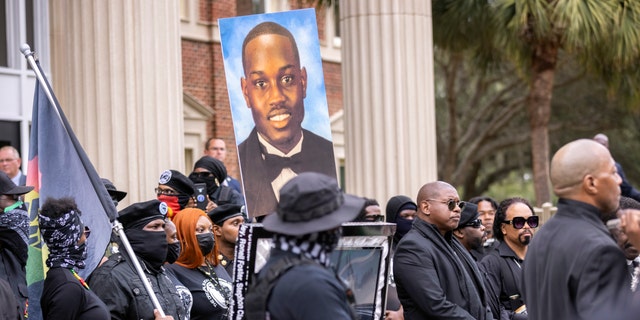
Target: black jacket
pixel 14 252
pixel 61 287
pixel 117 283
pixel 306 291
pixel 431 278
pixel 9 306
pixel 503 273
pixel 574 269
pixel 316 156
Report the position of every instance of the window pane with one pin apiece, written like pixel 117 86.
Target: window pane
pixel 28 6
pixel 336 18
pixel 3 34
pixel 10 134
pixel 184 9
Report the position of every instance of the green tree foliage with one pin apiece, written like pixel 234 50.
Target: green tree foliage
pixel 483 133
pixel 603 36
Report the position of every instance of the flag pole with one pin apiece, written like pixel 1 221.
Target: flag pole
pixel 105 200
pixel 26 51
pixel 117 227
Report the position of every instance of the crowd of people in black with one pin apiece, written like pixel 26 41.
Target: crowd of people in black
pixel 582 264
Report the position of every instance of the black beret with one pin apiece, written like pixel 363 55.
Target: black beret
pixel 225 212
pixel 468 214
pixel 177 181
pixel 137 215
pixel 214 166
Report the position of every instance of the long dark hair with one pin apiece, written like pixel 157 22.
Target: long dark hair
pixel 501 214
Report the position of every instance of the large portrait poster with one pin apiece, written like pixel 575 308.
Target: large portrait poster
pixel 278 102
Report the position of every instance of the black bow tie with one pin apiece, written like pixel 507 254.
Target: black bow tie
pixel 275 164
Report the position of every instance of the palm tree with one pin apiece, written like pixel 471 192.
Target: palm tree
pixel 603 35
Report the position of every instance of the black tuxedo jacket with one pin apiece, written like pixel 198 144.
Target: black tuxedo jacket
pixel 316 154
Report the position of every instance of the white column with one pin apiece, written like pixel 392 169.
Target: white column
pixel 387 69
pixel 116 68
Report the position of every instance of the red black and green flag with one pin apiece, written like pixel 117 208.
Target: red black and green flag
pixel 59 167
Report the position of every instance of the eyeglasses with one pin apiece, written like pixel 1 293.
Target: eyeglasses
pixel 451 204
pixel 477 223
pixel 204 174
pixel 518 222
pixel 7 160
pixel 166 192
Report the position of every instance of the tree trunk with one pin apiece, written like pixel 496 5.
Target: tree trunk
pixel 452 148
pixel 539 106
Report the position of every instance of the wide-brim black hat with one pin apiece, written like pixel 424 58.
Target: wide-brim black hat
pixel 312 202
pixel 8 187
pixel 115 193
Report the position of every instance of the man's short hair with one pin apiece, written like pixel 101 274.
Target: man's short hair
pixel 629 203
pixel 269 28
pixel 206 144
pixel 16 154
pixel 476 200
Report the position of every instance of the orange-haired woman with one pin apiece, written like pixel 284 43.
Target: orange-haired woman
pixel 197 266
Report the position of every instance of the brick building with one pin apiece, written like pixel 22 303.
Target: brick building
pixel 203 76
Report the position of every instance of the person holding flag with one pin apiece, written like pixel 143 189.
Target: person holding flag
pixel 116 281
pixel 14 232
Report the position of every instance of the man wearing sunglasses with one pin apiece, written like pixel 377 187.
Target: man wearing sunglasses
pixel 574 269
pixel 471 232
pixel 513 227
pixel 435 275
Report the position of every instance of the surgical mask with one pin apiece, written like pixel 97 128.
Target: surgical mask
pixel 206 242
pixel 173 252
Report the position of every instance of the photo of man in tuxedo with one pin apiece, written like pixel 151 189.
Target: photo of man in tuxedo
pixel 278 148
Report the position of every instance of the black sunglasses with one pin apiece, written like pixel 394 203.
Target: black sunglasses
pixel 518 222
pixel 451 204
pixel 202 174
pixel 473 223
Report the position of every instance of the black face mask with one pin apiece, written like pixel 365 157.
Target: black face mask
pixel 173 252
pixel 150 246
pixel 183 200
pixel 402 227
pixel 206 242
pixel 209 181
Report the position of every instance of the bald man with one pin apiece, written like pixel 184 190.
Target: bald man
pixel 626 189
pixel 435 275
pixel 574 269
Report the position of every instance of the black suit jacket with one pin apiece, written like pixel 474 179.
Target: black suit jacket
pixel 316 154
pixel 431 279
pixel 574 269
